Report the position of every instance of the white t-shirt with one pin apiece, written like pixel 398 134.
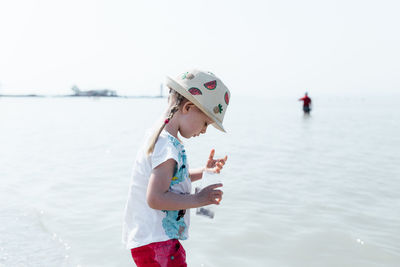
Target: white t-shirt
pixel 142 224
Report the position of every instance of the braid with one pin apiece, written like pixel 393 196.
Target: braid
pixel 175 108
pixel 179 100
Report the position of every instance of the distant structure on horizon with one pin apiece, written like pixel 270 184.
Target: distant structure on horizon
pixel 101 92
pixel 162 90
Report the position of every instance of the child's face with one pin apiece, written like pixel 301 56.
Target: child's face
pixel 193 121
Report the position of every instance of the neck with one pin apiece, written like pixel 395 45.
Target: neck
pixel 173 127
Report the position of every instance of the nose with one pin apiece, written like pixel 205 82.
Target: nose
pixel 204 130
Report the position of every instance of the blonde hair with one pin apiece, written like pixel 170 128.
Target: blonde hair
pixel 175 100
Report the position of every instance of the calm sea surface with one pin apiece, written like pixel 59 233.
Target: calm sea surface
pixel 322 190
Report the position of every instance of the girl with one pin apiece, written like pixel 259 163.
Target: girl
pixel 157 210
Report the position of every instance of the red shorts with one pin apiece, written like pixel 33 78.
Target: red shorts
pixel 168 253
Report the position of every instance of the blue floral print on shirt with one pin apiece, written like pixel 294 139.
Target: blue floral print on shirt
pixel 173 223
pixel 181 173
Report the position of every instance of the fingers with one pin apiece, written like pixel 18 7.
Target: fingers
pixel 211 195
pixel 217 200
pixel 213 186
pixel 216 164
pixel 219 166
pixel 216 197
pixel 211 157
pixel 223 161
pixel 217 193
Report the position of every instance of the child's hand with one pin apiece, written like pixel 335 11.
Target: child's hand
pixel 210 195
pixel 215 165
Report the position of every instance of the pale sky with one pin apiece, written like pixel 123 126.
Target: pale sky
pixel 256 47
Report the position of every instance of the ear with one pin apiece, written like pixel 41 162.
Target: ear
pixel 187 106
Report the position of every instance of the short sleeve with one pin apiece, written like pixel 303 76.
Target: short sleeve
pixel 163 151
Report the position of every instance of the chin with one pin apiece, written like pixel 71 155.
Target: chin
pixel 186 136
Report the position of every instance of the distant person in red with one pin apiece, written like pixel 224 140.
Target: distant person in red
pixel 306 103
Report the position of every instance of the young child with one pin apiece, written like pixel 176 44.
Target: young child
pixel 157 211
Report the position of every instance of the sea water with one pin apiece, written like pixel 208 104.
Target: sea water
pixel 319 190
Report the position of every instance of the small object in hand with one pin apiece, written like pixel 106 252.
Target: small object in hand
pixel 205 212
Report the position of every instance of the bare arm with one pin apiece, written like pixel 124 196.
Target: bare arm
pixel 159 197
pixel 196 174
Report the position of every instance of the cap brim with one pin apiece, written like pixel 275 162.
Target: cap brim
pixel 219 127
